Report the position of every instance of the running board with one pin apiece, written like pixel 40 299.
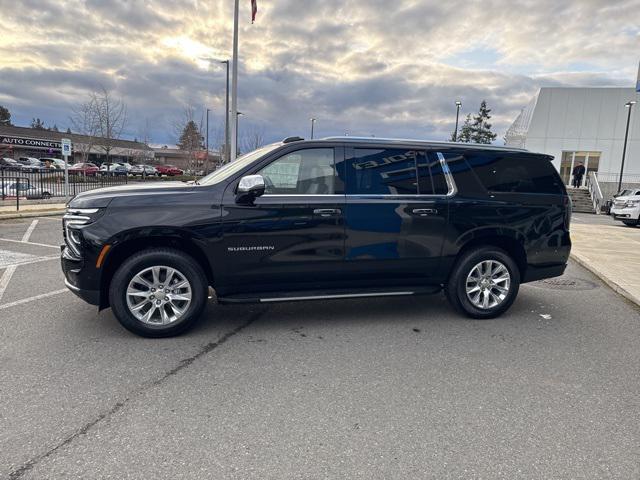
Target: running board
pixel 269 297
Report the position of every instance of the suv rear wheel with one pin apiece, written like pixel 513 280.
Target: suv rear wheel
pixel 158 293
pixel 484 283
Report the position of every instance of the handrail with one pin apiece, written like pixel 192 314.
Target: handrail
pixel 595 191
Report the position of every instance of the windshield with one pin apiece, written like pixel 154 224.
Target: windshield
pixel 231 168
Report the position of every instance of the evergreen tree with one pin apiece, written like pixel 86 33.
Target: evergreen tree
pixel 68 130
pixel 5 116
pixel 37 124
pixel 481 128
pixel 55 128
pixel 466 131
pixel 190 139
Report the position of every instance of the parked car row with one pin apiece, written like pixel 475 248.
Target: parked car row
pixel 33 165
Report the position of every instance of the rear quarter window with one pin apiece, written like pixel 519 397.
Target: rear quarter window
pixel 506 172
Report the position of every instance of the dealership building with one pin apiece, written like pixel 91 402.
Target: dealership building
pixel 582 125
pixel 16 142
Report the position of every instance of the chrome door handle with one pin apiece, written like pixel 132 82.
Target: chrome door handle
pixel 327 212
pixel 423 212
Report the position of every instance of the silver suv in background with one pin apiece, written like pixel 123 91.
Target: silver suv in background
pixel 626 208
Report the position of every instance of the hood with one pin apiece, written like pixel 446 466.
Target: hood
pixel 101 197
pixel 626 198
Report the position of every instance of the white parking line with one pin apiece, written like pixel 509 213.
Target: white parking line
pixel 57 247
pixel 31 299
pixel 6 278
pixel 27 234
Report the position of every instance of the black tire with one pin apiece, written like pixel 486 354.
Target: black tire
pixel 455 288
pixel 185 264
pixel 632 223
pixel 46 195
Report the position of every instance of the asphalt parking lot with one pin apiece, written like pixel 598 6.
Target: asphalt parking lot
pixel 371 388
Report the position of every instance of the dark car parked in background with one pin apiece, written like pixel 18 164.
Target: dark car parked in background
pixel 116 169
pixel 321 219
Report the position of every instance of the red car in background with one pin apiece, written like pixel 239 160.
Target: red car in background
pixel 89 169
pixel 169 170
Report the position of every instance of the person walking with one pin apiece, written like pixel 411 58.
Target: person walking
pixel 578 173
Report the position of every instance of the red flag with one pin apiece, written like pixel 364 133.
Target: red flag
pixel 254 10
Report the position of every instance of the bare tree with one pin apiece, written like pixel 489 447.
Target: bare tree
pixel 252 138
pixel 84 121
pixel 111 116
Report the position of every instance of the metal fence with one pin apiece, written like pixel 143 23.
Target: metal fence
pixel 48 184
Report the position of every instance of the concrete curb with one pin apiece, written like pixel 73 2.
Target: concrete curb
pixel 610 283
pixel 31 214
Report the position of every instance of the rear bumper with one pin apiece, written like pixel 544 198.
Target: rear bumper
pixel 538 273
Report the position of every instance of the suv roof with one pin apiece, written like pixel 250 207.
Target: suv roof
pixel 414 141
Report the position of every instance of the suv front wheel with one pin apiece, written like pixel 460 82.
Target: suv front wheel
pixel 484 283
pixel 158 292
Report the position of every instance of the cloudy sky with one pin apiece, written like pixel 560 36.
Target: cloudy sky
pixel 366 67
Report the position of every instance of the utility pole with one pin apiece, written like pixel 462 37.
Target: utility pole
pixel 313 121
pixel 234 85
pixel 226 118
pixel 626 137
pixel 206 145
pixel 455 132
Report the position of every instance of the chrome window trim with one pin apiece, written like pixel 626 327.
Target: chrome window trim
pixel 453 190
pixel 272 195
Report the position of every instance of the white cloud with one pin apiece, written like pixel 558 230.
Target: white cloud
pixel 375 67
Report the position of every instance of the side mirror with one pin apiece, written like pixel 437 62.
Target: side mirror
pixel 250 188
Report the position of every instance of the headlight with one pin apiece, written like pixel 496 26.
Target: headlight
pixel 72 222
pixel 632 203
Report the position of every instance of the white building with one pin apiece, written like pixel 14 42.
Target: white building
pixel 584 125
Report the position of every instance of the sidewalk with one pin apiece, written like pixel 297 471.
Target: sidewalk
pixel 612 252
pixel 31 210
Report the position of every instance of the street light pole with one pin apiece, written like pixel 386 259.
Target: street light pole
pixel 234 85
pixel 237 116
pixel 207 136
pixel 626 136
pixel 313 120
pixel 455 132
pixel 226 118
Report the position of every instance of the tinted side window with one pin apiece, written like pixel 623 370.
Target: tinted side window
pixel 515 173
pixel 466 181
pixel 431 179
pixel 310 172
pixel 382 171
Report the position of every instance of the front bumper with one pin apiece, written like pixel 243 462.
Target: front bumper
pixel 625 213
pixel 72 269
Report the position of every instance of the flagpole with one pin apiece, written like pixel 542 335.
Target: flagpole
pixel 234 86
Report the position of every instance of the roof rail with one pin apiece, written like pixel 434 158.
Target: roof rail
pixel 292 139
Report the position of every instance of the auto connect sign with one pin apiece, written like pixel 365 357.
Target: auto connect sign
pixel 30 143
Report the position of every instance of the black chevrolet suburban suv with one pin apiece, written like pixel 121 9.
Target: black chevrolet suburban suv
pixel 332 218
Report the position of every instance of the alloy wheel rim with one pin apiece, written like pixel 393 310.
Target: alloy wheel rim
pixel 488 284
pixel 159 295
